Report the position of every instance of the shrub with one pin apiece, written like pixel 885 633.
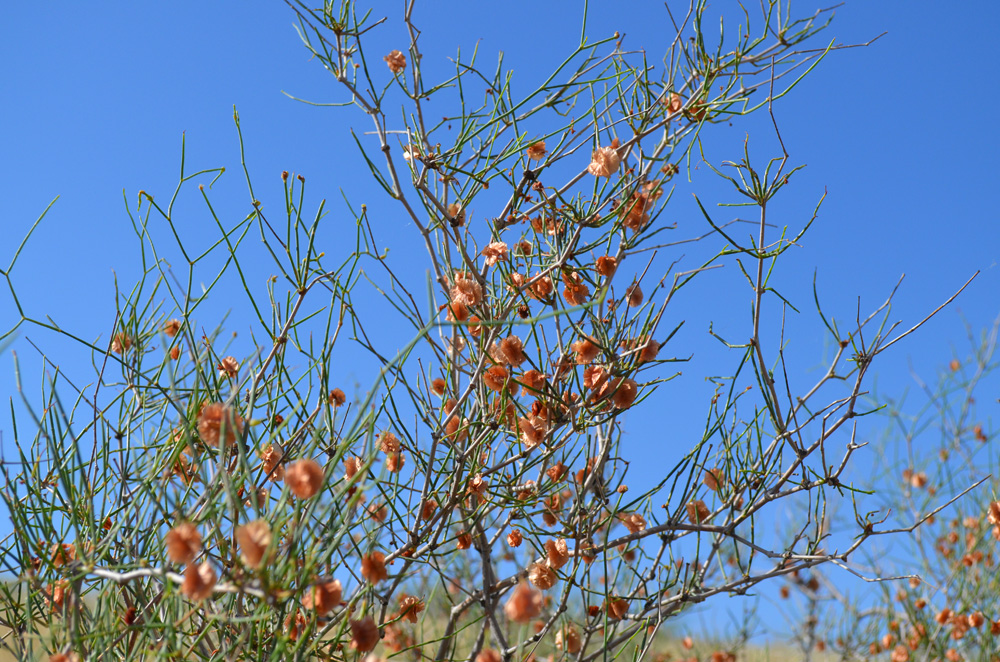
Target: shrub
pixel 223 501
pixel 936 479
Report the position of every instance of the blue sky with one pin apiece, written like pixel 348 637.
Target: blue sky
pixel 96 97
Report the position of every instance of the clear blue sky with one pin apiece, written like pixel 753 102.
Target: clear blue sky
pixel 95 98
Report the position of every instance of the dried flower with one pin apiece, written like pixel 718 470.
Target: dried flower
pixel 171 327
pixel 229 367
pixel 456 214
pixel 364 634
pixel 586 350
pixel 594 378
pixel 56 594
pixel 625 393
pixel 575 292
pixel 634 295
pixel 337 397
pixel 64 657
pixel 993 513
pixel 634 522
pixel 295 623
pixel 373 567
pixel 532 379
pixel 568 639
pixel 512 350
pixel 649 351
pixel 304 478
pixel 514 538
pixel 378 511
pixel 697 110
pixel 438 386
pixel 533 430
pixel 199 581
pixel 557 553
pixel 271 462
pixel 478 485
pixel 396 61
pixel 900 654
pixel 673 103
pixel 121 343
pixel 62 554
pixel 536 151
pixel 488 655
pixel 604 162
pixel 475 328
pixel 213 419
pixel 541 289
pixel 553 505
pixel 496 378
pixel 428 509
pixel 463 540
pixel 175 353
pixel 606 266
pixel 323 596
pixel 183 543
pixel 254 539
pixel 712 479
pixel 636 210
pixel 455 429
pixel 410 607
pixel 697 512
pixel 389 443
pixel 542 576
pixel 394 462
pixel 557 472
pixel 411 152
pixel 617 608
pixel 524 604
pixel 495 252
pixel 466 289
pixel 352 465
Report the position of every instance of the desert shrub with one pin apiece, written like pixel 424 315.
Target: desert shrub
pixel 214 498
pixel 936 478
